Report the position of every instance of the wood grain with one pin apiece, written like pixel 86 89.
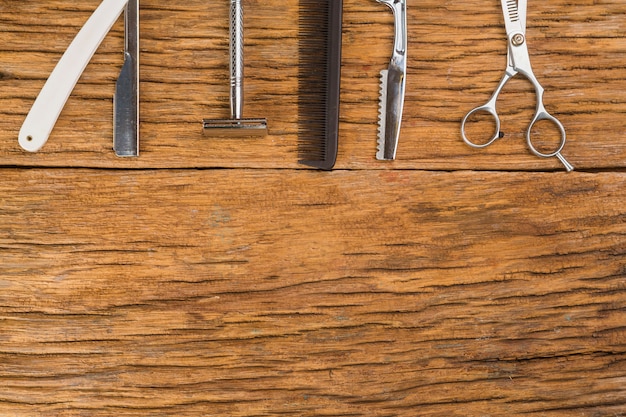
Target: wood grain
pixel 216 277
pixel 256 292
pixel 457 54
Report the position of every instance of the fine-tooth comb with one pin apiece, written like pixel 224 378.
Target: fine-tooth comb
pixel 319 79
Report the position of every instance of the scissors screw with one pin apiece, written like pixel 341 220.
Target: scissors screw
pixel 518 39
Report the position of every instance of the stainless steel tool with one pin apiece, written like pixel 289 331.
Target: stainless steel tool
pixel 46 109
pixel 518 62
pixel 236 125
pixel 126 99
pixel 393 85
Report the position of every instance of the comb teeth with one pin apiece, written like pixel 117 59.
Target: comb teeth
pixel 513 10
pixel 319 70
pixel 382 115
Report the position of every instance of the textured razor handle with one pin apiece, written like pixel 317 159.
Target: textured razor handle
pixel 236 59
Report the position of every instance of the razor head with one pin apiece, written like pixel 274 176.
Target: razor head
pixel 235 127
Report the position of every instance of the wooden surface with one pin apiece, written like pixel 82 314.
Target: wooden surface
pixel 449 282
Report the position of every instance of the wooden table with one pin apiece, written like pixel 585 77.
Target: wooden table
pixel 217 277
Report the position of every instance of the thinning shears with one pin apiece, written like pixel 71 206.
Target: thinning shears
pixel 518 62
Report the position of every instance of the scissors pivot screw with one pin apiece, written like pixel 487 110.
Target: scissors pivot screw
pixel 518 39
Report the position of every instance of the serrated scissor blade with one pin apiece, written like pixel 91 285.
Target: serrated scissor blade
pixel 514 13
pixel 382 115
pixel 392 84
pixel 511 6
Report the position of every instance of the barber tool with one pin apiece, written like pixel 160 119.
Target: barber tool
pixel 52 98
pixel 393 85
pixel 126 99
pixel 236 125
pixel 518 61
pixel 319 76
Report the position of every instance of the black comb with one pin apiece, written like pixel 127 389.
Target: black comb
pixel 319 76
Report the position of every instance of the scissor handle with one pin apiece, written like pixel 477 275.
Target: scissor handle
pixel 542 114
pixel 488 108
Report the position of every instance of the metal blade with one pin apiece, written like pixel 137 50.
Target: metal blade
pixel 392 84
pixel 514 21
pixel 382 115
pixel 512 10
pixel 126 100
pixel 125 125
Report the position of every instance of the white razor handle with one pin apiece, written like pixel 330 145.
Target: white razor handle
pixel 48 106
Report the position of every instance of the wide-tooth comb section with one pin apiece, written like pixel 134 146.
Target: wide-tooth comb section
pixel 382 112
pixel 319 70
pixel 513 10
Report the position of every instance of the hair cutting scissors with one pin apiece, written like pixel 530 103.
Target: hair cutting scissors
pixel 518 62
